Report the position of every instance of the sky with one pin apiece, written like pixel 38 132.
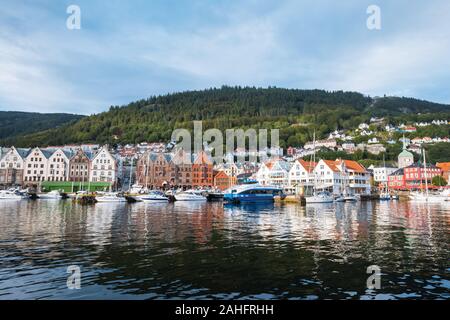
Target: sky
pixel 129 50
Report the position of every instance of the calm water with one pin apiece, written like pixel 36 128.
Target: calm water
pixel 204 251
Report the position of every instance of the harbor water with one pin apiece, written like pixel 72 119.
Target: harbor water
pixel 193 250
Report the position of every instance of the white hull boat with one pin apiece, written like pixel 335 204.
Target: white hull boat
pixel 9 195
pixel 110 197
pixel 52 195
pixel 153 196
pixel 321 197
pixel 190 195
pixel 385 196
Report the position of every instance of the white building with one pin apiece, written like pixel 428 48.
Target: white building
pixel 36 165
pixel 342 176
pixel 58 166
pixel 103 167
pixel 301 175
pixel 12 165
pixel 380 174
pixel 274 173
pixel 329 143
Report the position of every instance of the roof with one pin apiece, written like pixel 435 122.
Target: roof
pixel 398 172
pixel 444 166
pixel 405 154
pixel 308 165
pixel 352 165
pixel 331 164
pixel 221 174
pixel 23 152
pixel 202 158
pixel 420 165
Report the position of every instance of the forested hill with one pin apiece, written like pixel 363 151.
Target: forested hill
pixel 13 123
pixel 294 112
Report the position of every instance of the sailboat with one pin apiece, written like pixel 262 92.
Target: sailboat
pixel 425 196
pixel 385 195
pixel 322 196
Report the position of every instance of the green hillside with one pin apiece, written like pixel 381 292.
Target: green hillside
pixel 14 123
pixel 294 112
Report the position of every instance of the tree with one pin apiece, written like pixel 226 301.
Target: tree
pixel 439 181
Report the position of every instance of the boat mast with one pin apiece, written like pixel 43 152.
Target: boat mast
pixel 314 161
pixel 131 175
pixel 425 172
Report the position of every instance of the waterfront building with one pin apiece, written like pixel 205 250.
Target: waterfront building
pixel 12 165
pixel 79 166
pixel 202 171
pixel 274 172
pixel 156 170
pixel 301 175
pixel 381 174
pixel 58 165
pixel 413 177
pixel 183 169
pixel 338 176
pixel 223 181
pixel 103 167
pixel 445 168
pixel 36 166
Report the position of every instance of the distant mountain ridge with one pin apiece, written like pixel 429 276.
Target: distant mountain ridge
pixel 155 118
pixel 15 123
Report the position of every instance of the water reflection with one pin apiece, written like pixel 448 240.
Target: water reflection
pixel 207 250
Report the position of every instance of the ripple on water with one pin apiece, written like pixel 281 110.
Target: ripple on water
pixel 208 251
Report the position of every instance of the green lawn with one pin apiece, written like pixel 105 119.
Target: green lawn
pixel 68 186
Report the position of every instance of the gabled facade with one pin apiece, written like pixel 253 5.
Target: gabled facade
pixel 12 166
pixel 36 166
pixel 79 166
pixel 223 181
pixel 103 167
pixel 301 173
pixel 58 166
pixel 183 169
pixel 155 170
pixel 202 171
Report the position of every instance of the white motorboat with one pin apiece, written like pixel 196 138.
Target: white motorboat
pixel 427 197
pixel 385 196
pixel 320 197
pixel 190 195
pixel 52 195
pixel 152 196
pixel 110 197
pixel 339 199
pixel 10 195
pixel 351 198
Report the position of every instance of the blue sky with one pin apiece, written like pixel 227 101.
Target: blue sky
pixel 127 50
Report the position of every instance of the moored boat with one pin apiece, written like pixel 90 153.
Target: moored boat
pixel 320 197
pixel 11 195
pixel 52 195
pixel 152 196
pixel 190 195
pixel 251 193
pixel 110 197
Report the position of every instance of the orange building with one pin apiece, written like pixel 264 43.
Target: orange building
pixel 202 171
pixel 223 181
pixel 445 167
